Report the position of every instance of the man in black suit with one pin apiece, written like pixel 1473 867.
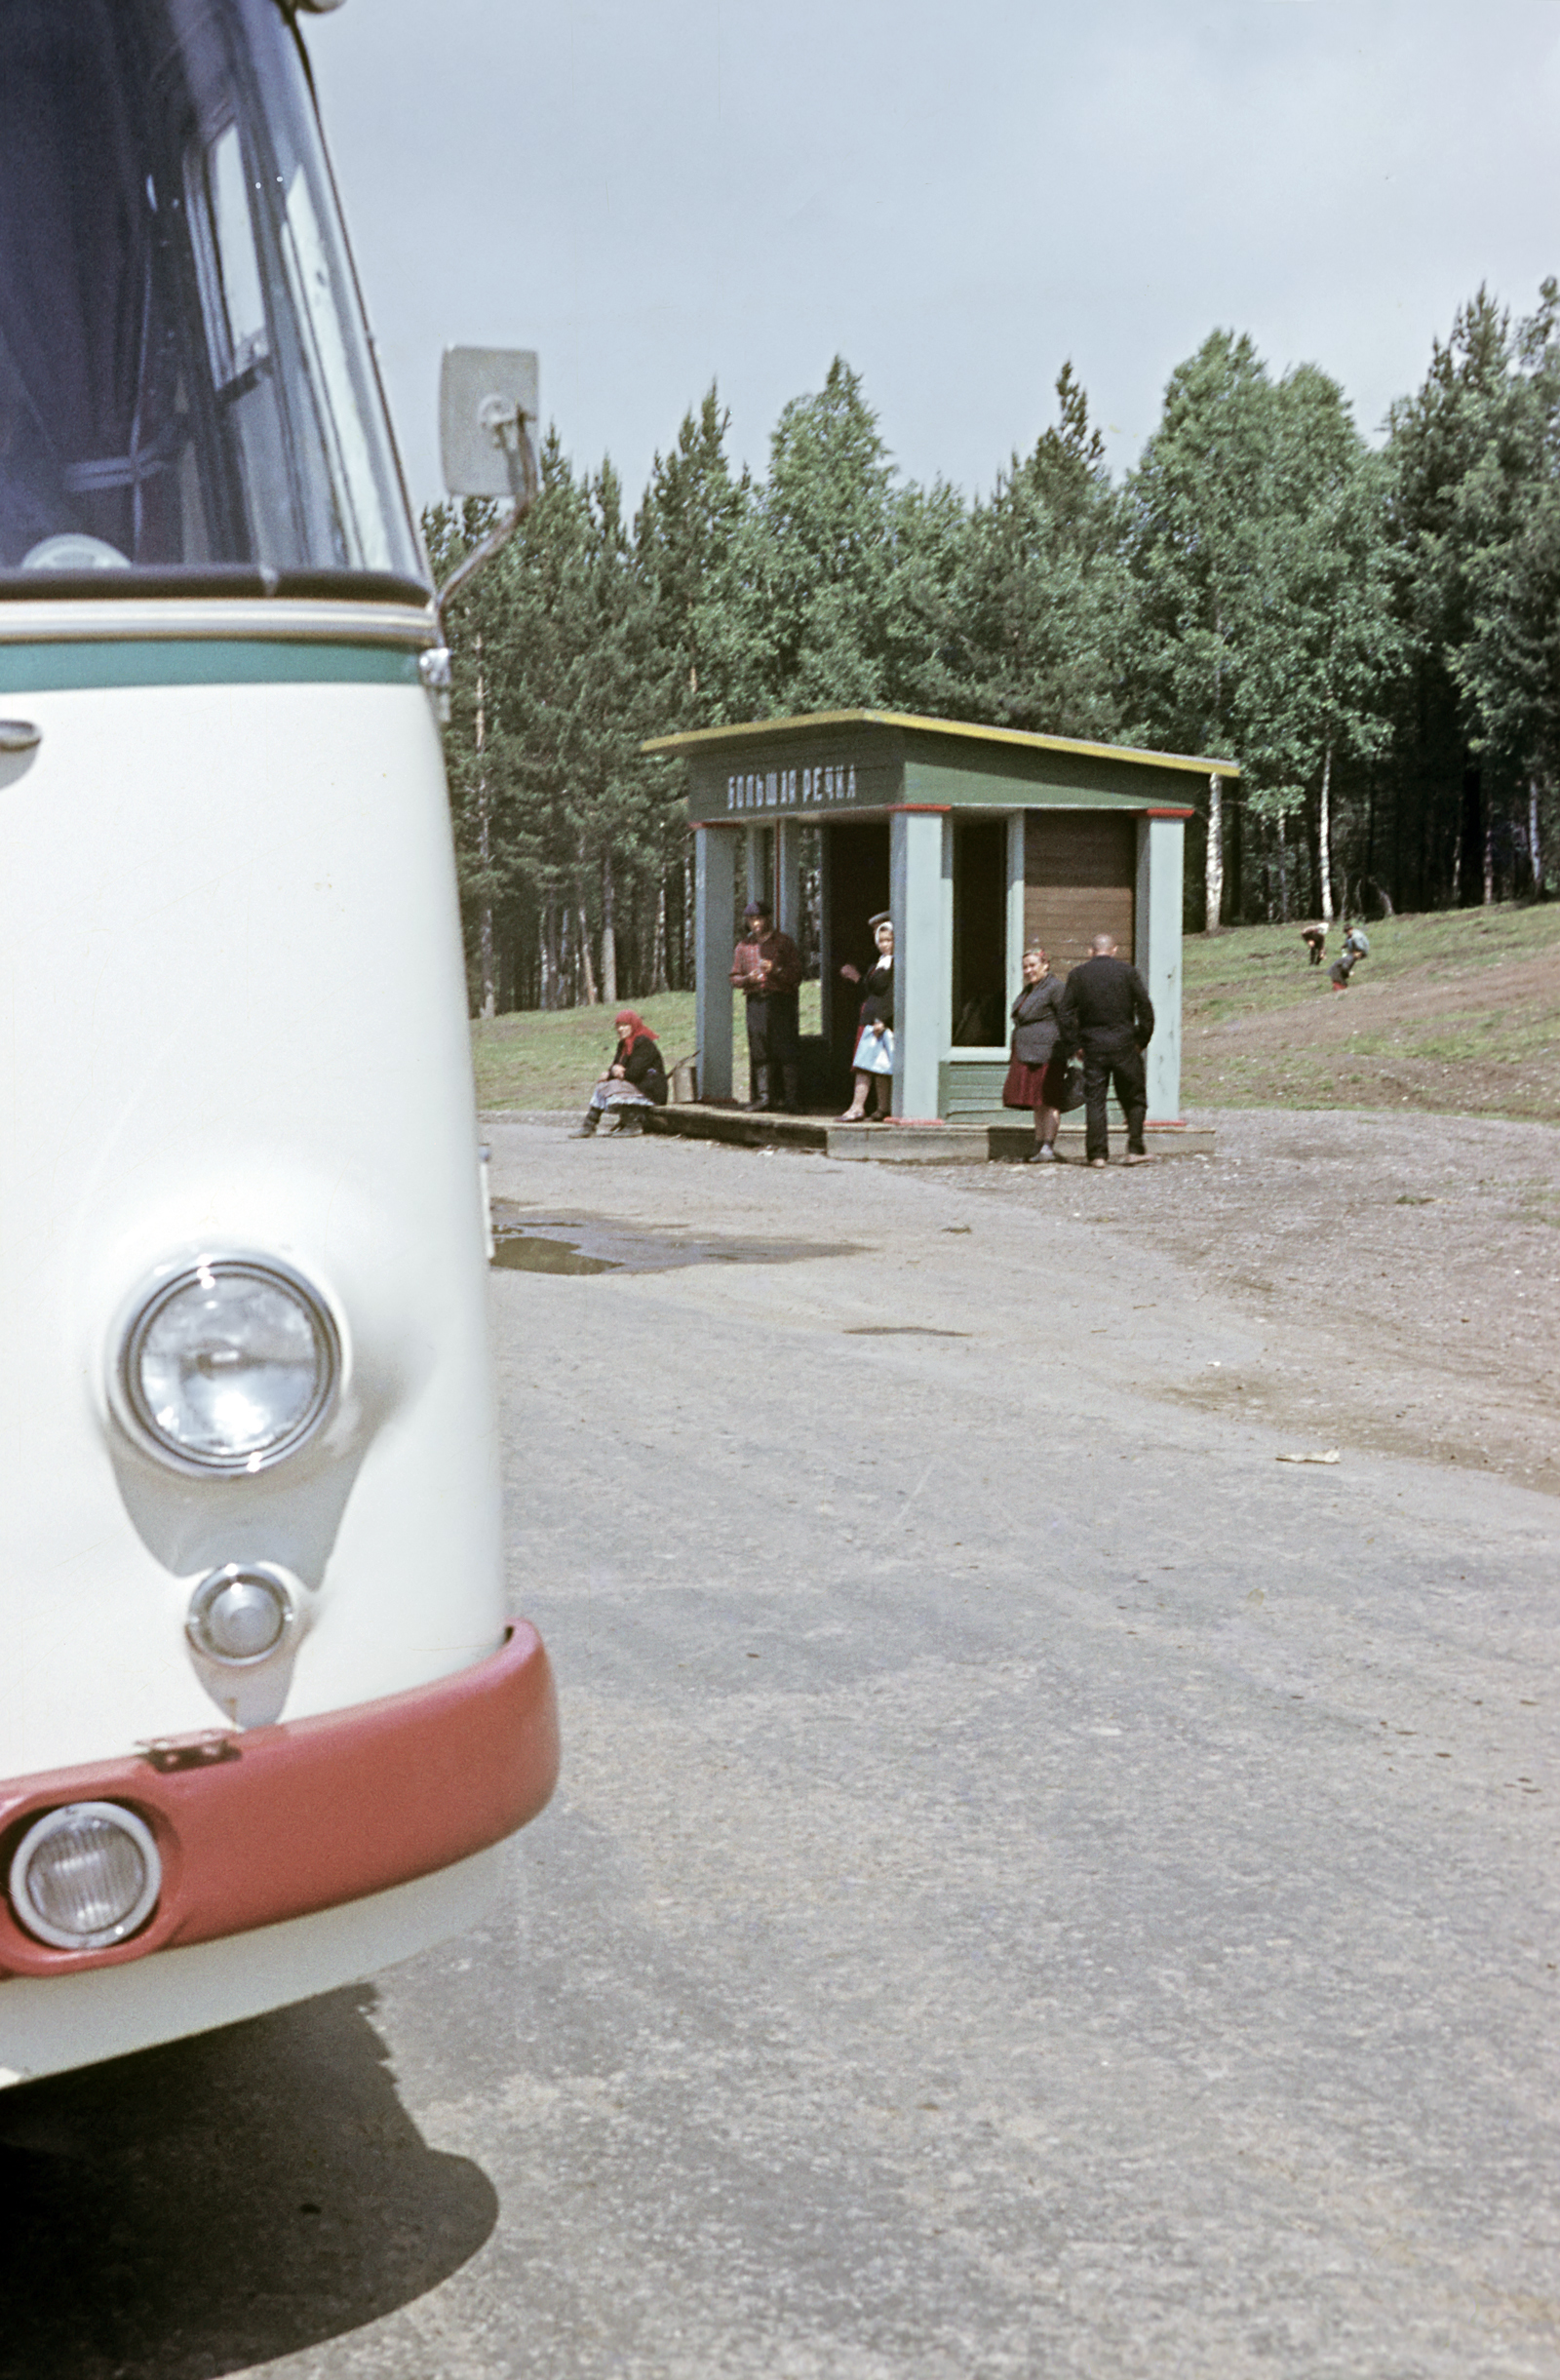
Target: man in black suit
pixel 1107 1012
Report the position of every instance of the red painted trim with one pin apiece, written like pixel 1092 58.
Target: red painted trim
pixel 1169 813
pixel 915 809
pixel 287 1820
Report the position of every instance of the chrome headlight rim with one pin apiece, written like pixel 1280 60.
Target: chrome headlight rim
pixel 158 1291
pixel 55 1822
pixel 282 1584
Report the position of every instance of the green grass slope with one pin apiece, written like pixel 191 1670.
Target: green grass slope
pixel 1457 1011
pixel 532 1060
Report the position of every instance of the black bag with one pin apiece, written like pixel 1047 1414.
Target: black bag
pixel 1073 1089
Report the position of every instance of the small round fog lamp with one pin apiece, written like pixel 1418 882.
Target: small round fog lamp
pixel 85 1876
pixel 241 1612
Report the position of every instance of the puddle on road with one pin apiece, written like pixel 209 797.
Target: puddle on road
pixel 591 1243
pixel 534 1252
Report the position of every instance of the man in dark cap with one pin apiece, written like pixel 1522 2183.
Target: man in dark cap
pixel 766 968
pixel 1107 1012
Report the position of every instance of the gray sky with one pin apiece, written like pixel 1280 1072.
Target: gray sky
pixel 658 193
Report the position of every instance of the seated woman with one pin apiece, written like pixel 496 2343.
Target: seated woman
pixel 1038 1071
pixel 874 1060
pixel 635 1078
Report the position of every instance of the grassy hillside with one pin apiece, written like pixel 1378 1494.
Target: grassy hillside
pixel 529 1060
pixel 1457 1011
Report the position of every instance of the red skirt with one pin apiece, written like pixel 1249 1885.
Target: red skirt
pixel 1034 1087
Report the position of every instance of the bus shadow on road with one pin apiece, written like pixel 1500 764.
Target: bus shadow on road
pixel 214 2205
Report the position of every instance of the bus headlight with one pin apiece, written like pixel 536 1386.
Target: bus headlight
pixel 228 1365
pixel 241 1612
pixel 85 1876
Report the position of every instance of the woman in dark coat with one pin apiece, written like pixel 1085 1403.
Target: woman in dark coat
pixel 635 1078
pixel 1038 1068
pixel 873 1058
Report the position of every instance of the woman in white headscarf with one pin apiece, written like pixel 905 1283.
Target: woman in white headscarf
pixel 874 1060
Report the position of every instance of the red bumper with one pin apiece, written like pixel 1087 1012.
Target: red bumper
pixel 283 1820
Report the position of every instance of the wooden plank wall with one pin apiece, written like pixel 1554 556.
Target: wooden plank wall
pixel 1080 870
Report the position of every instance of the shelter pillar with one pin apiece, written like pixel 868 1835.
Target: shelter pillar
pixel 714 894
pixel 755 872
pixel 1162 844
pixel 920 864
pixel 1015 905
pixel 788 876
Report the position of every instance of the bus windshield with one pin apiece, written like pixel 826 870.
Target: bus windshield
pixel 185 382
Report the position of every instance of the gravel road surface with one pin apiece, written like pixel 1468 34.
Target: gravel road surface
pixel 1040 1886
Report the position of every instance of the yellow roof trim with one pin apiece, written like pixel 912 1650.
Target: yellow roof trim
pixel 694 737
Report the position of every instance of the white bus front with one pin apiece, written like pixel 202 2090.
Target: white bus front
pixel 261 1719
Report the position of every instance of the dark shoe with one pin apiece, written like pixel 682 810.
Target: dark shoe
pixel 758 1104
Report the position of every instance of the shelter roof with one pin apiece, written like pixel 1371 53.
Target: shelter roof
pixel 712 742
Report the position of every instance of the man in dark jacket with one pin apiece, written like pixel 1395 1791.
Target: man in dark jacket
pixel 1108 1013
pixel 766 966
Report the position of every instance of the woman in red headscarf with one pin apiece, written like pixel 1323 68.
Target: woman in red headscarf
pixel 635 1078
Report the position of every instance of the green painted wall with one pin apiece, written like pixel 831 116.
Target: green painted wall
pixel 57 668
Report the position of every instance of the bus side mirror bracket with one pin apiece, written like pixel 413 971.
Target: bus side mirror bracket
pixel 489 401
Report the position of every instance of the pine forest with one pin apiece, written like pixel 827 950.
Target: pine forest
pixel 1372 632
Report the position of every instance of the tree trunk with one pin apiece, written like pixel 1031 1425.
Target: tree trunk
pixel 484 851
pixel 1535 862
pixel 549 957
pixel 1283 874
pixel 592 997
pixel 1234 860
pixel 1324 839
pixel 609 936
pixel 1214 877
pixel 1489 855
pixel 659 981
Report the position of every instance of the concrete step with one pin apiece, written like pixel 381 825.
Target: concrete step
pixel 902 1143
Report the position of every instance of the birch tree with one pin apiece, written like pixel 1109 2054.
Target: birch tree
pixel 1195 524
pixel 1326 646
pixel 1507 666
pixel 1439 438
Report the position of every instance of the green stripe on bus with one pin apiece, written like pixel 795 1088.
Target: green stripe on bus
pixel 54 668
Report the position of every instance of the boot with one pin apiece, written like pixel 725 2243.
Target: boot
pixel 592 1118
pixel 758 1104
pixel 790 1076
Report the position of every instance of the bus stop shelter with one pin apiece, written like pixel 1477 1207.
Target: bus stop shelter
pixel 979 841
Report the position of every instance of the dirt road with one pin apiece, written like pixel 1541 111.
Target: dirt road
pixel 1038 1886
pixel 1404 1271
